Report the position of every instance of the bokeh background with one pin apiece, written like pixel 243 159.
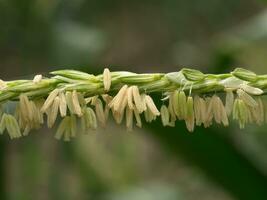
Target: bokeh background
pixel 38 36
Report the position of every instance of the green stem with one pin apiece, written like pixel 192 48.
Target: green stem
pixel 188 80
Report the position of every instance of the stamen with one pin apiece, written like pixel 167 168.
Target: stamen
pixel 137 118
pixel 190 117
pixel 129 119
pixel 137 99
pixel 53 112
pixel 197 110
pixel 118 99
pixel 107 79
pixel 3 123
pixel 130 97
pixel 62 104
pixel 73 126
pixel 49 100
pixel 62 127
pixel 209 113
pixel 37 78
pixel 246 98
pixel 76 104
pixel 70 102
pixel 100 112
pixel 92 118
pixel 150 104
pixel 174 100
pixel 229 101
pixel 165 115
pixel 182 104
pixel 25 108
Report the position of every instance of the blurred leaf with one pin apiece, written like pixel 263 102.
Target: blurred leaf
pixel 216 157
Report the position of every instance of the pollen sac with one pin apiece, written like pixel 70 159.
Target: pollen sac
pixel 137 118
pixel 198 110
pixel 229 102
pixel 49 100
pixel 107 79
pixel 190 117
pixel 241 112
pixel 62 104
pixel 182 104
pixel 165 115
pixel 129 119
pixel 174 101
pixel 63 129
pixel 152 107
pixel 246 98
pixel 100 114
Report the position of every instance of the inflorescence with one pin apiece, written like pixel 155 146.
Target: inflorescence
pixel 84 101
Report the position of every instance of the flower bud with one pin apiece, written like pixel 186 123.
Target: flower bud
pixel 245 74
pixel 192 74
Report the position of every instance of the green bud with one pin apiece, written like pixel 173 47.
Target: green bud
pixel 31 86
pixel 84 87
pixel 140 78
pixel 245 74
pixel 7 96
pixel 73 74
pixel 39 93
pixel 154 86
pixel 192 74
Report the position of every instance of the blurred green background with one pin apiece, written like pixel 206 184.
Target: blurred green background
pixel 154 163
